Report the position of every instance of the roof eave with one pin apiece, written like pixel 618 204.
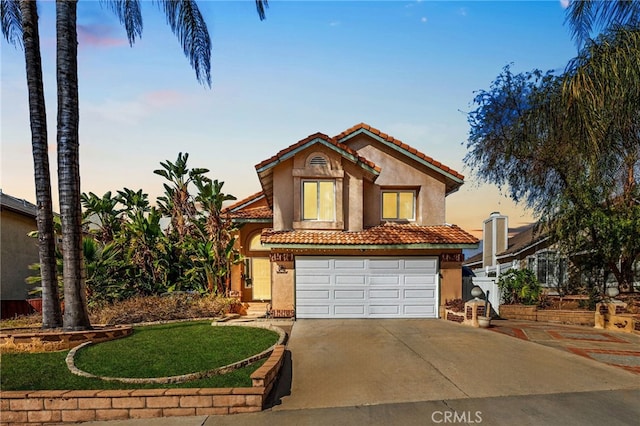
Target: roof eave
pixel 409 154
pixel 347 155
pixel 251 220
pixel 425 246
pixel 522 250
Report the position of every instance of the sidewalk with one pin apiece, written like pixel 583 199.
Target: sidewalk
pixel 618 349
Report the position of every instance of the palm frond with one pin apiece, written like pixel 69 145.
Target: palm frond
pixel 261 6
pixel 586 16
pixel 186 22
pixel 11 18
pixel 129 15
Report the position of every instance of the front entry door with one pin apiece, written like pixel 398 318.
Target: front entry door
pixel 261 278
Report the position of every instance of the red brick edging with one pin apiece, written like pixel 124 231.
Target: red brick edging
pixel 56 406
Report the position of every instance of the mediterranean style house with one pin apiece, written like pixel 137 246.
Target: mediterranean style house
pixel 350 226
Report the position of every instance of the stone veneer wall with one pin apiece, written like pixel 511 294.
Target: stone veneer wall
pixel 63 406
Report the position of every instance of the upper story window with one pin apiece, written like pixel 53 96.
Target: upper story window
pixel 398 205
pixel 318 200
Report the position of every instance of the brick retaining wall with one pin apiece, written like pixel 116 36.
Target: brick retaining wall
pixel 56 406
pixel 532 313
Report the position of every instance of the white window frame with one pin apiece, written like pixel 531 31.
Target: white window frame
pixel 335 207
pixel 398 191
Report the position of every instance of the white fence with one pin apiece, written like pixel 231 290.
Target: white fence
pixel 489 284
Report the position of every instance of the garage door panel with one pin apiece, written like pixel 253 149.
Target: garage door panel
pixel 393 264
pixel 350 264
pixel 430 265
pixel 421 280
pixel 348 294
pixel 384 280
pixel 313 279
pixel 384 287
pixel 350 279
pixel 313 294
pixel 356 311
pixel 384 294
pixel 419 310
pixel 384 309
pixel 318 263
pixel 419 294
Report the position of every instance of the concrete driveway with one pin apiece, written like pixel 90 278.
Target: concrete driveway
pixel 341 363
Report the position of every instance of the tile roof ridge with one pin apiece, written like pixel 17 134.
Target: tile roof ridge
pixel 323 136
pixel 400 144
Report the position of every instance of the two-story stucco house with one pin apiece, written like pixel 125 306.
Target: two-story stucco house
pixel 350 226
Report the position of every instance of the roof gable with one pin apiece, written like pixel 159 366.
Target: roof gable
pixel 318 138
pixel 453 179
pixel 265 168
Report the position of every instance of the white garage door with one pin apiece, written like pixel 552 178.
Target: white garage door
pixel 360 287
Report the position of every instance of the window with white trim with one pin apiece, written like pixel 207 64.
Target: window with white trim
pixel 398 205
pixel 319 200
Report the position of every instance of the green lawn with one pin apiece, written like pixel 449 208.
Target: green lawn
pixel 153 351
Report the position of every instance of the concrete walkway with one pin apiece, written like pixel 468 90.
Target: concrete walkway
pixel 618 349
pixel 388 372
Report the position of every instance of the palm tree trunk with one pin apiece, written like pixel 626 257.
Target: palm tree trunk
pixel 51 314
pixel 76 315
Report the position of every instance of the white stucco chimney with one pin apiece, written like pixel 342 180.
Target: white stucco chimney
pixel 495 236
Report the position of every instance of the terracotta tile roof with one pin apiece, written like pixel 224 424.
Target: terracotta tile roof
pixel 325 138
pixel 263 212
pixel 244 201
pixel 387 234
pixel 391 139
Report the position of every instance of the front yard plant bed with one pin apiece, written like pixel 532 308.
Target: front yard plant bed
pixel 151 351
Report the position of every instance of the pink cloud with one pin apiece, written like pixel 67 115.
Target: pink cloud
pixel 163 98
pixel 99 36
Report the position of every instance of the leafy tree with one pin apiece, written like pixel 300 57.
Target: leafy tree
pixel 20 24
pixel 569 147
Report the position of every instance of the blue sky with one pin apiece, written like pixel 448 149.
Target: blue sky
pixel 408 68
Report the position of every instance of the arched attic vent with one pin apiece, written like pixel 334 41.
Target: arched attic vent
pixel 317 160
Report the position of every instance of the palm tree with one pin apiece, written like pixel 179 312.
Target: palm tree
pixel 588 16
pixel 185 20
pixel 76 315
pixel 21 19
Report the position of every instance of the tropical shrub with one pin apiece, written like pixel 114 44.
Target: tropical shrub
pixel 185 244
pixel 519 286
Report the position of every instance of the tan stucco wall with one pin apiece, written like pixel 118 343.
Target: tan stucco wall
pixel 18 251
pixel 451 282
pixel 282 285
pixel 283 191
pixel 399 171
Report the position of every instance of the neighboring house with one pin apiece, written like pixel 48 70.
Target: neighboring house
pixel 529 248
pixel 351 226
pixel 18 251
